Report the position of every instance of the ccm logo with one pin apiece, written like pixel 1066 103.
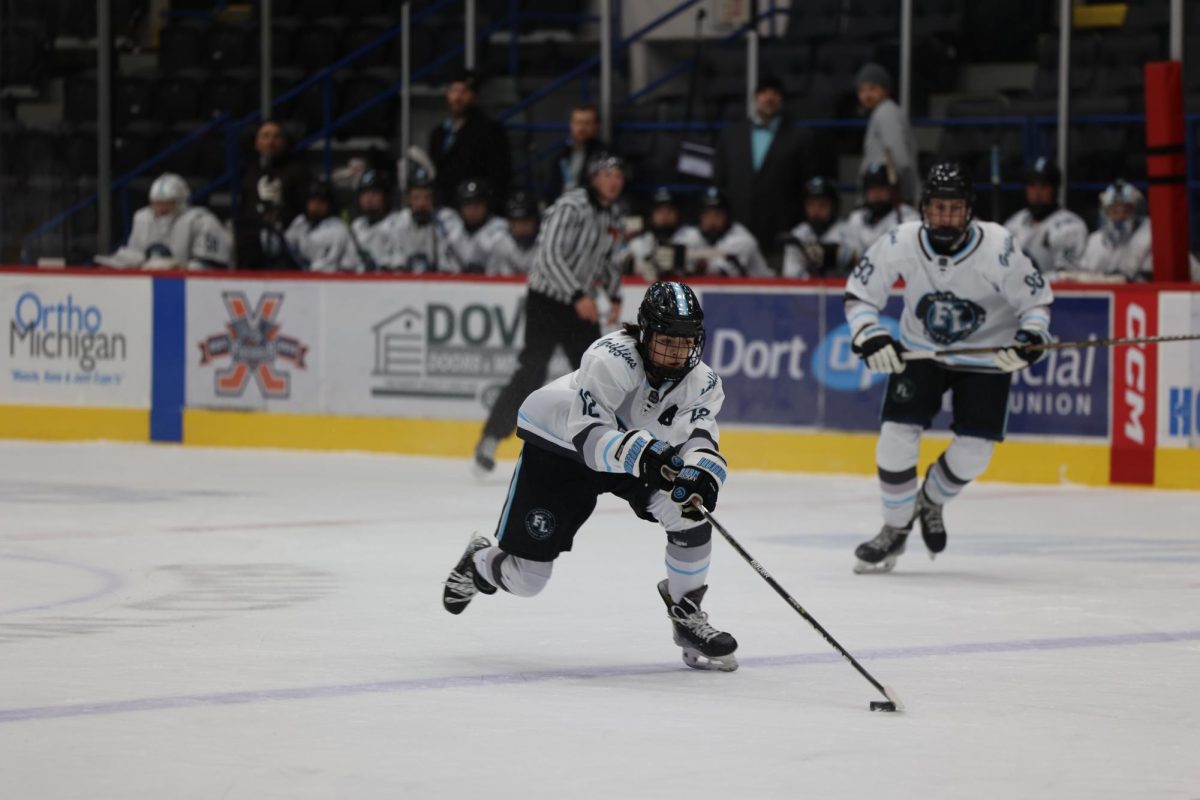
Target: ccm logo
pixel 1135 373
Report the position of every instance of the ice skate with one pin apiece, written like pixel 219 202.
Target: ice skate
pixel 485 455
pixel 463 583
pixel 704 647
pixel 880 554
pixel 933 529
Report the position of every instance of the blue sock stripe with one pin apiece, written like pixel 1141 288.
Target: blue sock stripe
pixel 674 568
pixel 901 501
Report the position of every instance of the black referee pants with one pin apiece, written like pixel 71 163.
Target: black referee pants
pixel 548 324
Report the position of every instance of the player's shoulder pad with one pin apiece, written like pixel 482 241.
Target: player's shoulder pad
pixel 619 350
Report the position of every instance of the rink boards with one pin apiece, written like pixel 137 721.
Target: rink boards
pixel 411 365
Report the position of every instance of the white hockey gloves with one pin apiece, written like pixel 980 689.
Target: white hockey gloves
pixel 1019 355
pixel 874 345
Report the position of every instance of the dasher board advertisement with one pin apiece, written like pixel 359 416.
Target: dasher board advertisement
pixel 76 341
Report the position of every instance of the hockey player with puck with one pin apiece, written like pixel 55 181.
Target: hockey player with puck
pixel 966 284
pixel 638 419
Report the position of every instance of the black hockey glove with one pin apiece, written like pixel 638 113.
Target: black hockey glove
pixel 874 345
pixel 1020 355
pixel 700 479
pixel 654 461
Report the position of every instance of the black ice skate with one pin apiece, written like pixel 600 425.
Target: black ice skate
pixel 933 530
pixel 463 583
pixel 704 647
pixel 880 554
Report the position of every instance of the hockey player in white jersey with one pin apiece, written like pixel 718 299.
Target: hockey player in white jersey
pixel 638 419
pixel 880 212
pixel 513 252
pixel 656 252
pixel 375 230
pixel 1053 237
pixel 966 284
pixel 170 234
pixel 1122 246
pixel 432 239
pixel 720 246
pixel 318 239
pixel 482 230
pixel 819 247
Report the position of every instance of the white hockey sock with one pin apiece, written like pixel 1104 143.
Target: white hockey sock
pixel 896 458
pixel 964 460
pixel 513 574
pixel 687 567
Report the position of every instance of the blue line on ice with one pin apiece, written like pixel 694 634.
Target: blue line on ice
pixel 578 673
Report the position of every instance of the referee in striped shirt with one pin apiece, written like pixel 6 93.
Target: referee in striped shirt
pixel 574 254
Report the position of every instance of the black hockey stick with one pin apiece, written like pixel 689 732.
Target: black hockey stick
pixel 892 703
pixel 920 355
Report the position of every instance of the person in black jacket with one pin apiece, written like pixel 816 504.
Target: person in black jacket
pixel 468 144
pixel 273 193
pixel 568 167
pixel 759 164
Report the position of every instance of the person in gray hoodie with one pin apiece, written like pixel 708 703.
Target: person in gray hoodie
pixel 889 137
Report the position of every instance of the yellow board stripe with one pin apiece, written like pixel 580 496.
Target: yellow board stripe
pixel 71 423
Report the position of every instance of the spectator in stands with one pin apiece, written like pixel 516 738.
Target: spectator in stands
pixel 568 168
pixel 819 247
pixel 432 238
pixel 482 230
pixel 889 138
pixel 468 144
pixel 656 252
pixel 513 252
pixel 318 239
pixel 721 246
pixel 375 232
pixel 1053 237
pixel 881 210
pixel 170 234
pixel 759 162
pixel 272 192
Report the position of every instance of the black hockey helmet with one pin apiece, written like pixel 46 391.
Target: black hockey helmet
pixel 374 180
pixel 419 178
pixel 1043 170
pixel 948 180
pixel 713 198
pixel 878 174
pixel 473 190
pixel 671 309
pixel 662 197
pixel 522 206
pixel 322 188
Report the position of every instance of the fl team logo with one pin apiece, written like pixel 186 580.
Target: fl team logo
pixel 254 346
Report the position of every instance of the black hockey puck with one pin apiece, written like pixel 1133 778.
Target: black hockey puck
pixel 883 705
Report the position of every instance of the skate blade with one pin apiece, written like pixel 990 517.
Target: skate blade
pixel 867 568
pixel 697 660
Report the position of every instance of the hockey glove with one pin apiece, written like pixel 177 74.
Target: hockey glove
pixel 1020 355
pixel 653 460
pixel 701 479
pixel 874 345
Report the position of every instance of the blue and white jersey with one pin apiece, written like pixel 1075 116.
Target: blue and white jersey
pixel 978 297
pixel 584 415
pixel 377 245
pixel 1055 243
pixel 324 247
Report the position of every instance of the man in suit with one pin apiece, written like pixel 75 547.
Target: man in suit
pixel 759 162
pixel 468 144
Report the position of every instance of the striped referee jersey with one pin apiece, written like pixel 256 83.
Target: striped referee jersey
pixel 575 249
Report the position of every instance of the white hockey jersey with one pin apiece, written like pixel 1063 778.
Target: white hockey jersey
pixel 324 247
pixel 194 238
pixel 585 414
pixel 440 246
pixel 377 245
pixel 1133 258
pixel 1055 244
pixel 808 259
pixel 739 255
pixel 506 257
pixel 478 246
pixel 978 297
pixel 861 233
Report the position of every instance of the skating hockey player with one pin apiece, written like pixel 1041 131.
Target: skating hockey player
pixel 1053 237
pixel 638 419
pixel 966 284
pixel 170 234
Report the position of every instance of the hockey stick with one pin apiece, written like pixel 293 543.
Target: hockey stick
pixel 892 703
pixel 921 355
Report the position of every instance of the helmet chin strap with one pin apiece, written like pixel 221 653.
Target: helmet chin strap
pixel 946 240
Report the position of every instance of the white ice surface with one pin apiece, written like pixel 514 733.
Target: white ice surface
pixel 186 623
